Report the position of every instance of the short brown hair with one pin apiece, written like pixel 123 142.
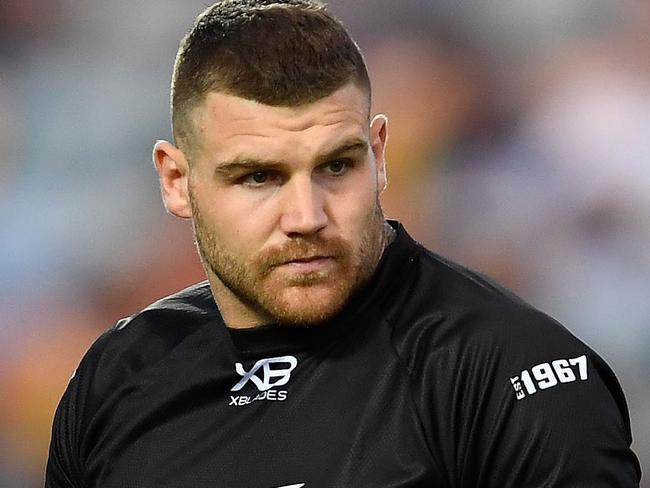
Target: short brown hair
pixel 276 52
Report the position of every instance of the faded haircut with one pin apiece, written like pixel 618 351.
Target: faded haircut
pixel 276 52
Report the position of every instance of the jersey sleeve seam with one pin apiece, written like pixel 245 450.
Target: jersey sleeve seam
pixel 416 406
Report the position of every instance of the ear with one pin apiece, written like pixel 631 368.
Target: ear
pixel 173 172
pixel 378 137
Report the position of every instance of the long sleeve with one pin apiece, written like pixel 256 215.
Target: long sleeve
pixel 63 465
pixel 529 405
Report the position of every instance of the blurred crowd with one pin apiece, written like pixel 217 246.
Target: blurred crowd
pixel 519 145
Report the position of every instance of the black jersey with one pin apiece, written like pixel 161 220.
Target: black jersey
pixel 431 376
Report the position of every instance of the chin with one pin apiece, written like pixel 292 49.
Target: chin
pixel 307 306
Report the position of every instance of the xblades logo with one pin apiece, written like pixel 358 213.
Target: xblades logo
pixel 274 372
pixel 282 374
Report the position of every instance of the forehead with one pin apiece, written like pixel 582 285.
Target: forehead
pixel 230 124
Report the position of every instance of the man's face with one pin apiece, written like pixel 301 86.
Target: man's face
pixel 285 204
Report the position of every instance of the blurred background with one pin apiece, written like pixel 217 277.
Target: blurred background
pixel 519 145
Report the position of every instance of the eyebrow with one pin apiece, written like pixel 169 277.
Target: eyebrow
pixel 241 164
pixel 354 145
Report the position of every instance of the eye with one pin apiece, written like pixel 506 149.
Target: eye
pixel 337 167
pixel 257 178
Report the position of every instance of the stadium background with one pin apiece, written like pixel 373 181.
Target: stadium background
pixel 519 145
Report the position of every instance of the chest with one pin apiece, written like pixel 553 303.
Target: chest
pixel 287 420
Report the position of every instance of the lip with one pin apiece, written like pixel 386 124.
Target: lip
pixel 309 264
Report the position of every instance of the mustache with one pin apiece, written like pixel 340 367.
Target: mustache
pixel 302 248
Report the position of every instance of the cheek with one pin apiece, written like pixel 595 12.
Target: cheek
pixel 240 227
pixel 353 210
pixel 222 206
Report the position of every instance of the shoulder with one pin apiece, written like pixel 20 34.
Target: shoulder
pixel 448 314
pixel 492 377
pixel 147 337
pixel 463 328
pixel 175 315
pixel 165 321
pixel 132 354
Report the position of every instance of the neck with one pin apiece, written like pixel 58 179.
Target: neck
pixel 388 235
pixel 235 313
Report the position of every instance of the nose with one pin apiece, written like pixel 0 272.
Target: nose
pixel 303 208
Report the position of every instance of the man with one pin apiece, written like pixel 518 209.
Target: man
pixel 327 348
